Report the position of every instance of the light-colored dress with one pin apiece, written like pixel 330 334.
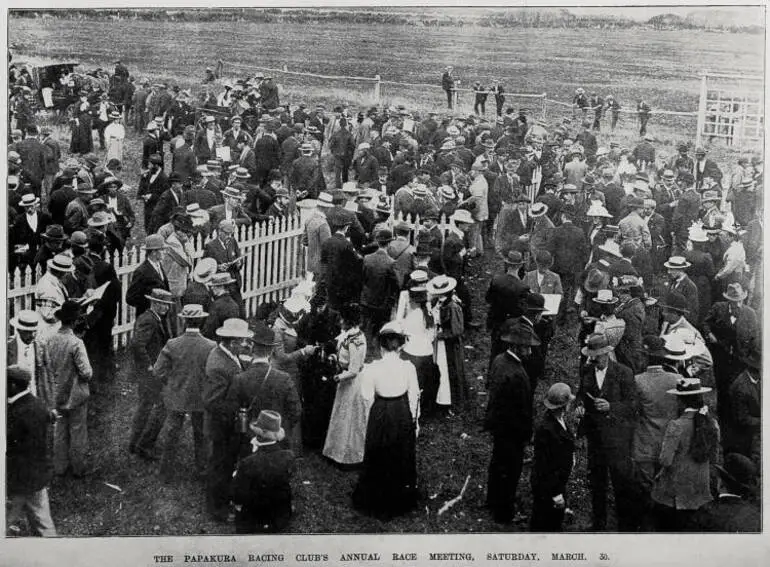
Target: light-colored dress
pixel 114 135
pixel 346 435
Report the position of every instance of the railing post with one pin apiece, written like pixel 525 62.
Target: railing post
pixel 377 89
pixel 702 106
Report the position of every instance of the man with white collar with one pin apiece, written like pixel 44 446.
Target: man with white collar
pixel 680 282
pixel 28 459
pixel 28 354
pixel 24 237
pixel 225 250
pixel 50 294
pixel 205 146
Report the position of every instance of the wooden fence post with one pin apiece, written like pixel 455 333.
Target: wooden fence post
pixel 377 89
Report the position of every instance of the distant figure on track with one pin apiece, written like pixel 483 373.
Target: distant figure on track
pixel 448 83
pixel 643 109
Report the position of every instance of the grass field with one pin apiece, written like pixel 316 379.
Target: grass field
pixel 661 66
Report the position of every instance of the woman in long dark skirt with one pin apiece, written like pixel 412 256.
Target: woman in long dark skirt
pixel 387 486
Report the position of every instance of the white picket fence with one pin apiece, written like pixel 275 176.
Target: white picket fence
pixel 274 263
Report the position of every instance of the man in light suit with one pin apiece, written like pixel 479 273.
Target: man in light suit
pixel 28 354
pixel 181 367
pixel 542 279
pixel 316 232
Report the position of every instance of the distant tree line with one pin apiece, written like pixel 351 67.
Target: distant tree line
pixel 521 18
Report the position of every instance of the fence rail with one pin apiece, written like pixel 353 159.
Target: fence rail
pixel 274 263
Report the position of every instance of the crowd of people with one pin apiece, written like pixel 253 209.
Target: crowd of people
pixel 656 259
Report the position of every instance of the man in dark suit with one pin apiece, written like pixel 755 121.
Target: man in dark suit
pixel 380 287
pixel 222 365
pixel 290 151
pixel 267 152
pixel 505 296
pixel 262 481
pixel 733 511
pixel 613 193
pixel 52 158
pixel 554 453
pixel 508 418
pixel 26 352
pixel 570 252
pixel 305 174
pixel 181 367
pixel 169 200
pixel 705 168
pixel 148 275
pixel 448 84
pixel 236 136
pixel 205 146
pixel 365 165
pixel 261 387
pixel 152 184
pixel 680 282
pixel 29 467
pixel 25 235
pixel 247 160
pixel 223 306
pixel 232 209
pixel 340 265
pixel 33 158
pixel 152 145
pixel 744 426
pixel 607 407
pixel 183 161
pixel 151 331
pixel 513 227
pixel 224 249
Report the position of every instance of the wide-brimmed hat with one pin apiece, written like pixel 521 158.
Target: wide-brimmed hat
pixel 654 346
pixel 234 329
pixel 710 196
pixel 696 234
pixel 516 332
pixel 558 396
pixel 441 285
pixel 61 263
pixel 100 218
pixel 25 320
pixel 611 247
pixel 678 349
pixel 292 309
pixel 204 270
pixel 605 297
pixel 533 302
pixel 79 238
pixel 232 192
pixel 598 210
pixel 54 232
pixel 68 312
pixel 392 328
pixel 85 188
pixel 110 180
pixel 29 200
pixel 383 236
pixel 514 258
pixel 735 292
pixel 596 280
pixel 154 242
pixel 325 199
pixel 161 296
pixel 753 359
pixel 221 279
pixel 538 210
pixel 263 335
pixel 688 387
pixel 677 263
pixel 596 344
pixel 463 216
pixel 267 426
pixel 192 311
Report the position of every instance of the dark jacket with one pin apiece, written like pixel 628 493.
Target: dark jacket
pixel 166 204
pixel 57 205
pixel 689 290
pixel 29 466
pixel 155 190
pixel 22 233
pixel 33 159
pixel 727 514
pixel 744 423
pixel 52 155
pixel 262 487
pixel 509 409
pixel 629 349
pixel 504 297
pixel 340 270
pixel 612 430
pixel 183 162
pixel 144 280
pixel 43 380
pixel 366 169
pixel 267 153
pixel 221 370
pixel 569 248
pixel 181 367
pixel 221 308
pixel 150 335
pixel 380 285
pixel 306 175
pixel 256 389
pixel 554 448
pixel 151 145
pixel 739 338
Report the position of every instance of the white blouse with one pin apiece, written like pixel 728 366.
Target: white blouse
pixel 390 377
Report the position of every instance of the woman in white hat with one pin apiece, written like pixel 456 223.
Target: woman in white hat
pixel 608 324
pixel 690 446
pixel 448 345
pixel 114 135
pixel 416 317
pixel 287 354
pixel 387 486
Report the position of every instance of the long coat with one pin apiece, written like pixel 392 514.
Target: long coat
pixel 509 408
pixel 569 248
pixel 689 290
pixel 263 387
pixel 21 233
pixel 629 349
pixel 702 274
pixel 655 408
pixel 43 380
pixel 504 296
pixel 554 448
pixel 181 366
pixel 340 271
pixel 29 467
pixel 612 430
pixel 745 415
pixel 221 370
pixel 33 159
pixel 316 232
pixel 144 280
pixel 155 188
pixel 380 285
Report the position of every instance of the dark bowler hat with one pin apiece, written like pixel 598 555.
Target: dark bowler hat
pixel 654 346
pixel 516 332
pixel 337 218
pixel 675 301
pixel 68 312
pixel 54 232
pixel 596 344
pixel 534 302
pixel 263 335
pixel 514 258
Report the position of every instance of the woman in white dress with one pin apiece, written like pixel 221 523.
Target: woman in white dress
pixel 347 425
pixel 417 321
pixel 114 135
